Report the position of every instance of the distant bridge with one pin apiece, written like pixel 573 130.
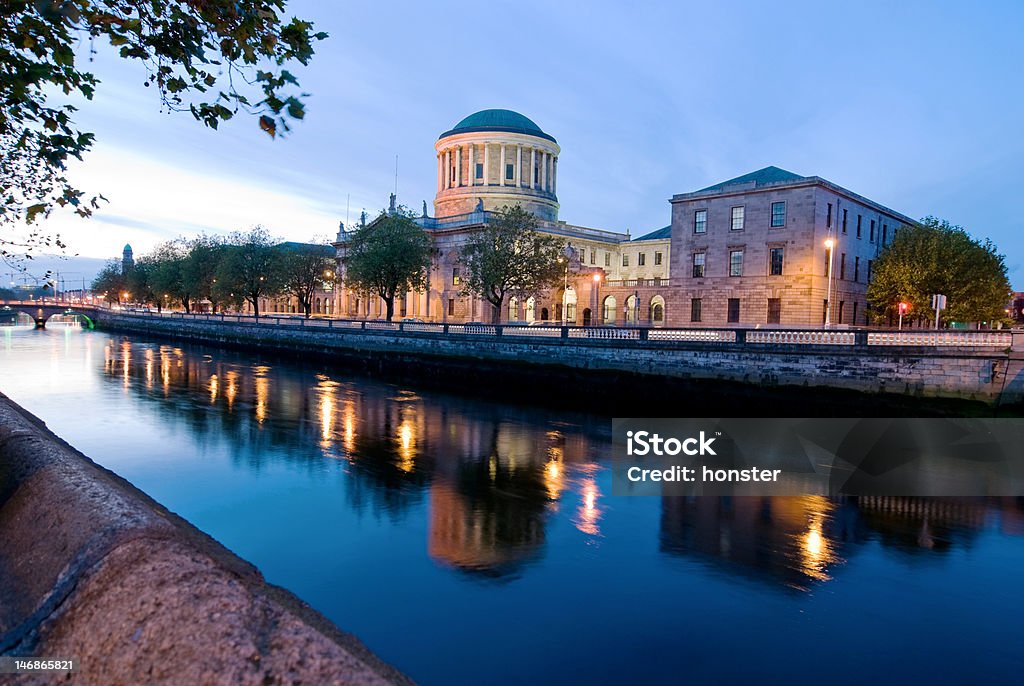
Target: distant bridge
pixel 41 311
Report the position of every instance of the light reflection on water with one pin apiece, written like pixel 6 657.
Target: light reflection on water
pixel 473 542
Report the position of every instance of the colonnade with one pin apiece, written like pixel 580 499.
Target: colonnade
pixel 456 166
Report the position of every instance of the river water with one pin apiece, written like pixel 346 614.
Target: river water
pixel 467 541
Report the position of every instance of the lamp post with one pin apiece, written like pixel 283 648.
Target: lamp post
pixel 830 246
pixel 597 299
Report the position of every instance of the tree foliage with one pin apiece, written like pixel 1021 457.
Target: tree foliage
pixel 303 268
pixel 248 269
pixel 388 256
pixel 938 257
pixel 509 258
pixel 212 58
pixel 110 282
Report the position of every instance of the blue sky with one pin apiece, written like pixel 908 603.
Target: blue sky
pixel 915 105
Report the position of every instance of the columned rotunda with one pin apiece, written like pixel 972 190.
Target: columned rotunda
pixel 498 158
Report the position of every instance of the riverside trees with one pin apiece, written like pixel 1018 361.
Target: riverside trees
pixel 509 258
pixel 935 256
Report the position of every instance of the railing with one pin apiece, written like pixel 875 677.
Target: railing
pixel 656 282
pixel 641 335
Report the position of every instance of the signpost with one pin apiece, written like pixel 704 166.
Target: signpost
pixel 938 304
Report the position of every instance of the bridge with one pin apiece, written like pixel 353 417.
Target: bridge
pixel 42 310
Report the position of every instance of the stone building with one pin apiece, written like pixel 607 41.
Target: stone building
pixel 497 158
pixel 753 251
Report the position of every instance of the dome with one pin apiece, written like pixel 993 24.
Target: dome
pixel 127 247
pixel 497 120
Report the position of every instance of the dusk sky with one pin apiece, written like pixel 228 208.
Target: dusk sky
pixel 915 105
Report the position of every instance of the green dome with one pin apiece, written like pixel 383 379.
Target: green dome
pixel 497 120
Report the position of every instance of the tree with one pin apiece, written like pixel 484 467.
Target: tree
pixel 249 269
pixel 139 281
pixel 388 256
pixel 165 274
pixel 508 257
pixel 110 282
pixel 938 257
pixel 199 269
pixel 200 55
pixel 303 268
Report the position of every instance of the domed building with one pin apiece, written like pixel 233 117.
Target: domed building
pixel 496 158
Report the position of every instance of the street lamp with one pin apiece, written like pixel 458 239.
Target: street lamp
pixel 597 298
pixel 903 307
pixel 829 245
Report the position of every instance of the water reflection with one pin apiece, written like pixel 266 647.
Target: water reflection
pixel 493 478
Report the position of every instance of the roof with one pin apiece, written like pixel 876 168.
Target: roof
pixel 761 177
pixel 660 234
pixel 127 247
pixel 497 120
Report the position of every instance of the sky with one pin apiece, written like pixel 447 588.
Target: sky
pixel 916 105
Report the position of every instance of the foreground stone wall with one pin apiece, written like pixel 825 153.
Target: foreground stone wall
pixel 983 374
pixel 92 568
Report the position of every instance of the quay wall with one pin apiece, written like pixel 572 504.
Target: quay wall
pixel 984 373
pixel 92 568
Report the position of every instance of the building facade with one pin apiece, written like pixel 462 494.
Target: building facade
pixel 497 158
pixel 751 251
pixel 755 250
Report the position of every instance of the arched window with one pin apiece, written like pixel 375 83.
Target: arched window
pixel 587 317
pixel 531 305
pixel 543 314
pixel 317 310
pixel 657 310
pixel 569 300
pixel 609 310
pixel 513 309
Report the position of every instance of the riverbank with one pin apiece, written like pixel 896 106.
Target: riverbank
pixel 793 373
pixel 93 568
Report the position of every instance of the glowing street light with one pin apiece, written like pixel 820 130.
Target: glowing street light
pixel 903 308
pixel 829 245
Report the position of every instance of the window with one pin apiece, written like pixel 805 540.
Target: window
pixel 735 263
pixel 856 270
pixel 698 265
pixel 737 219
pixel 870 264
pixel 844 221
pixel 775 261
pixel 456 278
pixel 859 218
pixel 607 259
pixel 828 219
pixel 824 310
pixel 479 170
pixel 734 310
pixel 854 320
pixel 641 259
pixel 871 235
pixel 625 260
pixel 510 172
pixel 657 259
pixel 842 265
pixel 451 307
pixel 778 214
pixel 828 263
pixel 839 320
pixel 885 234
pixel 774 310
pixel 593 256
pixel 700 221
pixel 695 310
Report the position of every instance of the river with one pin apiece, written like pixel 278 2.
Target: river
pixel 468 541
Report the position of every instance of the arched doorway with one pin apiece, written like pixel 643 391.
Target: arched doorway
pixel 513 309
pixel 568 306
pixel 586 316
pixel 657 311
pixel 608 314
pixel 632 309
pixel 543 314
pixel 531 308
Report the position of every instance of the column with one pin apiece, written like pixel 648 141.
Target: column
pixel 440 173
pixel 472 165
pixel 554 175
pixel 458 166
pixel 501 167
pixel 447 168
pixel 519 166
pixel 487 163
pixel 543 171
pixel 533 167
